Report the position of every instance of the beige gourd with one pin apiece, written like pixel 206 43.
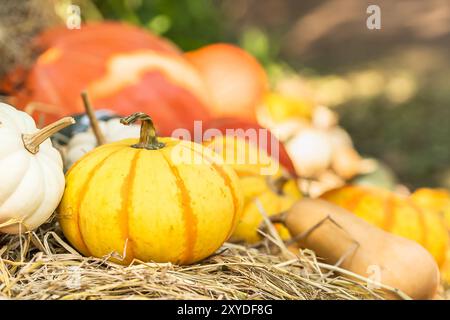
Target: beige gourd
pixel 333 233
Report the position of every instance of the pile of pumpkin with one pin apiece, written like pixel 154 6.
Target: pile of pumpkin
pixel 147 198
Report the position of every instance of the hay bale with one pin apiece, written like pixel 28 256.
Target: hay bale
pixel 41 265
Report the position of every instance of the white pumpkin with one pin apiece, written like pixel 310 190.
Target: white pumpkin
pixel 83 142
pixel 31 171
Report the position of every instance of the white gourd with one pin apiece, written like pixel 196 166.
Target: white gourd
pixel 311 151
pixel 83 142
pixel 31 171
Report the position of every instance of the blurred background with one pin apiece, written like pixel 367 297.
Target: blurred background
pixel 391 87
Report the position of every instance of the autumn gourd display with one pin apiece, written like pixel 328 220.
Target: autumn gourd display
pixel 395 214
pixel 122 67
pixel 152 199
pixel 31 171
pixel 388 261
pixel 267 188
pixel 321 151
pixel 236 80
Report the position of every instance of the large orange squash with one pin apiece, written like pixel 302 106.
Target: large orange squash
pixel 123 69
pixel 236 80
pixel 395 214
pixel 150 199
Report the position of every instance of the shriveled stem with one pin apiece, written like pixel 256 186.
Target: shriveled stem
pixel 148 139
pixel 93 119
pixel 32 141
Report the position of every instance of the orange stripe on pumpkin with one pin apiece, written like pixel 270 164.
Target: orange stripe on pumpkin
pixel 422 223
pixel 245 173
pixel 190 220
pixel 126 193
pixel 80 197
pixel 390 205
pixel 351 202
pixel 228 183
pixel 354 201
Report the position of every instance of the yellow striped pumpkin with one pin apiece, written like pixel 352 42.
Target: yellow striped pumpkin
pixel 161 200
pixel 395 214
pixel 262 179
pixel 438 201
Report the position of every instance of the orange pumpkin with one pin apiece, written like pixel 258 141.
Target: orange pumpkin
pixel 438 201
pixel 236 80
pixel 395 214
pixel 123 69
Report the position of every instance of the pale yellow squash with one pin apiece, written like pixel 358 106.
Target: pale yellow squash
pixel 267 188
pixel 164 201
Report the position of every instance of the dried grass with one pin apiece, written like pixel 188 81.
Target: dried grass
pixel 41 265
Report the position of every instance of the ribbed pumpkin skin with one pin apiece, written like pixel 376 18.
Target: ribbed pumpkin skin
pixel 254 181
pixel 395 214
pixel 256 188
pixel 437 200
pixel 160 210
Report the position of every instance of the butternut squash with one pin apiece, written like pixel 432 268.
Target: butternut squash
pixel 396 214
pixel 332 232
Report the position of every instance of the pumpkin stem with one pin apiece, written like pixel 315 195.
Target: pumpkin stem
pixel 148 139
pixel 32 141
pixel 92 119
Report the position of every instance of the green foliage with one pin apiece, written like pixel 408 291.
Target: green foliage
pixel 412 138
pixel 189 23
